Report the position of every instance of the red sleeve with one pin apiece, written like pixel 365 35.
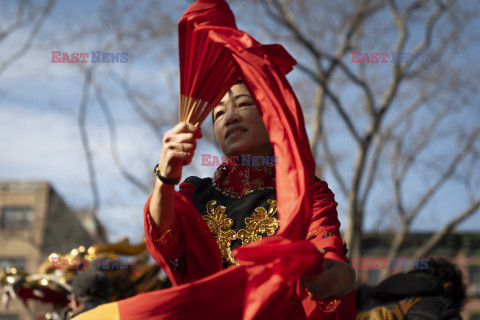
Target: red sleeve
pixel 181 262
pixel 171 243
pixel 324 232
pixel 324 229
pixel 167 247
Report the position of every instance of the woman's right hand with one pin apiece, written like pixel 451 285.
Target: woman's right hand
pixel 178 147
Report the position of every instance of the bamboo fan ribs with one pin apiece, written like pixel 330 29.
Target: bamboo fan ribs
pixel 207 70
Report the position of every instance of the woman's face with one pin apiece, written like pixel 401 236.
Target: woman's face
pixel 238 126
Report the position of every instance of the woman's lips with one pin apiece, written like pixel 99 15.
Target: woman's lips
pixel 234 131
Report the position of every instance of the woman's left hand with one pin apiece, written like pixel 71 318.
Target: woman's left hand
pixel 337 279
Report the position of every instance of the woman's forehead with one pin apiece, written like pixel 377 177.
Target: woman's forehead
pixel 238 89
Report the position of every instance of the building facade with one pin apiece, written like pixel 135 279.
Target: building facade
pixel 462 249
pixel 34 222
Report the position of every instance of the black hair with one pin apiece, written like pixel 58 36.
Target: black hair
pixel 447 272
pixel 89 285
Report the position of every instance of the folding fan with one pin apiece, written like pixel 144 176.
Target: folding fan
pixel 207 70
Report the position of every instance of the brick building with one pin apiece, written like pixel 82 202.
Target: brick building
pixel 34 222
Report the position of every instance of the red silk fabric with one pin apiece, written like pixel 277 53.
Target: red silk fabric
pixel 262 68
pixel 206 69
pixel 266 284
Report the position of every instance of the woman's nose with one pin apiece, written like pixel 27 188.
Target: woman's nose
pixel 232 114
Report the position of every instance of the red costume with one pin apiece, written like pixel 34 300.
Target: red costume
pixel 249 186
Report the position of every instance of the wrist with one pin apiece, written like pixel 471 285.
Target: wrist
pixel 163 179
pixel 162 187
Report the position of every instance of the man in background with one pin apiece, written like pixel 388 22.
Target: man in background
pixel 89 290
pixel 435 293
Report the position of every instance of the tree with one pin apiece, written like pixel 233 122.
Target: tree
pixel 147 30
pixel 30 16
pixel 377 127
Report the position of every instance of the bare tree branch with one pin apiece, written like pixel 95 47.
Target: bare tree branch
pixel 438 236
pixel 28 43
pixel 113 142
pixel 85 141
pixel 139 109
pixel 450 170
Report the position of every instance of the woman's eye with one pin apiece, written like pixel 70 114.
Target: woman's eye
pixel 218 114
pixel 245 104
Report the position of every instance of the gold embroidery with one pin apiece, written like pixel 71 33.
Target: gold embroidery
pixel 261 223
pixel 221 227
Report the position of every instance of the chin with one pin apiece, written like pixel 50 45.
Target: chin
pixel 236 149
pixel 231 153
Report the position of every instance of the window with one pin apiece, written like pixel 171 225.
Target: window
pixel 17 218
pixel 474 281
pixel 6 262
pixel 373 275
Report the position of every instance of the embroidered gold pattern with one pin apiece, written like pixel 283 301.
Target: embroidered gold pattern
pixel 221 227
pixel 261 223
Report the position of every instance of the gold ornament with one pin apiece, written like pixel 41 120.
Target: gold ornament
pixel 260 224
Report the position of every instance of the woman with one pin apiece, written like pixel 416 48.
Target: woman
pixel 191 232
pixel 244 194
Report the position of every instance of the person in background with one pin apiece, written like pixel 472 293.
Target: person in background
pixel 437 292
pixel 89 290
pixel 453 296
